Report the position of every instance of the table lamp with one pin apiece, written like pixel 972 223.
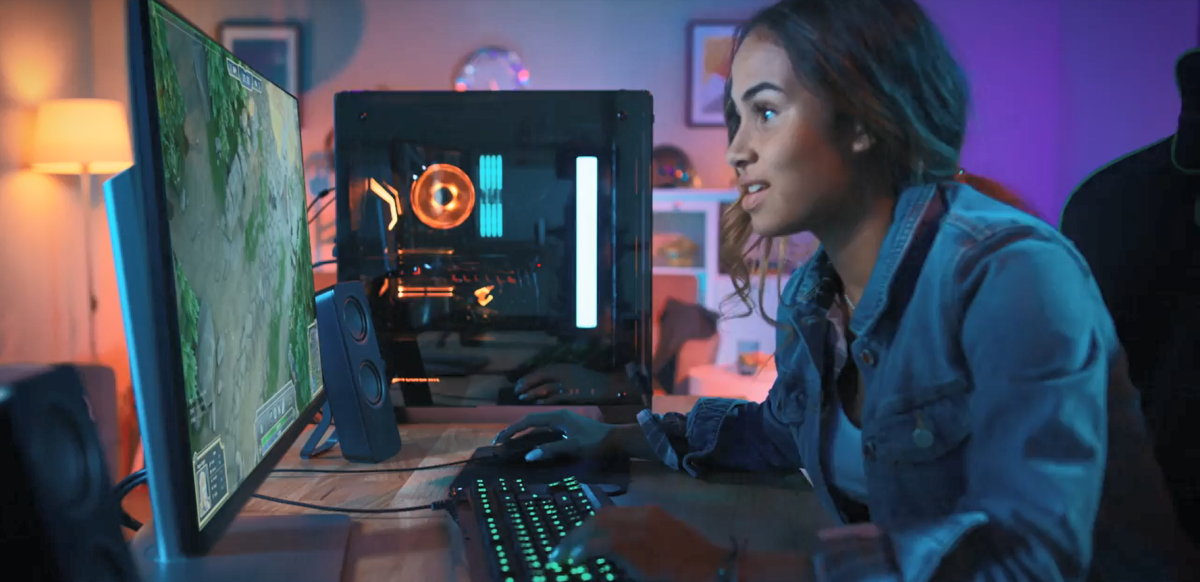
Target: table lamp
pixel 84 137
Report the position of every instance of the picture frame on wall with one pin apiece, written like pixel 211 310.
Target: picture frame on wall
pixel 272 49
pixel 710 51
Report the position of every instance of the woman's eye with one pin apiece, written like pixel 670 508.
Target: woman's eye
pixel 764 113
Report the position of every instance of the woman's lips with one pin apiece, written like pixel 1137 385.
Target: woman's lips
pixel 753 200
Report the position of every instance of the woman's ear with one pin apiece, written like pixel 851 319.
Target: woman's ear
pixel 862 141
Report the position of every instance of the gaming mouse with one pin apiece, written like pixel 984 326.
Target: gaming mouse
pixel 515 449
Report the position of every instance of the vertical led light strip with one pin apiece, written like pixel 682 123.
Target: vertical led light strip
pixel 491 183
pixel 499 194
pixel 485 179
pixel 587 236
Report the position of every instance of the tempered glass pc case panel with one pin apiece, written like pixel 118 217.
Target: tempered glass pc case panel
pixel 496 232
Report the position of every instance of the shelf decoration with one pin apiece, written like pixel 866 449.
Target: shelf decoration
pixel 492 69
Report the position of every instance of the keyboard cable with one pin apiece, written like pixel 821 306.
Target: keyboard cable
pixel 137 478
pixel 400 470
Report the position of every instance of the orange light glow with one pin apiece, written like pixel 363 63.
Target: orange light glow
pixel 74 136
pixel 35 207
pixel 409 292
pixel 484 294
pixel 438 180
pixel 383 289
pixel 390 196
pixel 426 252
pixel 449 206
pixel 35 61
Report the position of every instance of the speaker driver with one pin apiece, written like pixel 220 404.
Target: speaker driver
pixel 74 461
pixel 355 318
pixel 443 197
pixel 371 384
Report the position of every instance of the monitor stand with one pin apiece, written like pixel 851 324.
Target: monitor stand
pixel 296 548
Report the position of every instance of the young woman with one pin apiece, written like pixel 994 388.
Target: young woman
pixel 948 374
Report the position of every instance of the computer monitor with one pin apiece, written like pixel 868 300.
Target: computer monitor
pixel 215 273
pixel 495 233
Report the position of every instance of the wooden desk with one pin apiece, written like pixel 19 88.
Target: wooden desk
pixel 425 546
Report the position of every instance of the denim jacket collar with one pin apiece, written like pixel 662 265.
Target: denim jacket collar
pixel 818 282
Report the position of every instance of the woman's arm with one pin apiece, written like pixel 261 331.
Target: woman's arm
pixel 725 433
pixel 1038 343
pixel 720 433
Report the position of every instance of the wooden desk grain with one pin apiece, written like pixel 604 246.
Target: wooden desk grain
pixel 425 546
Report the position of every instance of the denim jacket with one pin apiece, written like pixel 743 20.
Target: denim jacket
pixel 995 400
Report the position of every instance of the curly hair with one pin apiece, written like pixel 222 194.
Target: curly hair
pixel 878 64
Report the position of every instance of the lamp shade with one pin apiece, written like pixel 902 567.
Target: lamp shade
pixel 78 135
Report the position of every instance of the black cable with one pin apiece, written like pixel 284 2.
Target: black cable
pixel 320 210
pixel 139 475
pixel 435 506
pixel 129 522
pixel 127 485
pixel 320 195
pixel 137 478
pixel 403 470
pixel 123 488
pixel 326 262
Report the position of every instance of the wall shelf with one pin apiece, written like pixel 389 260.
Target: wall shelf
pixel 695 214
pixel 688 221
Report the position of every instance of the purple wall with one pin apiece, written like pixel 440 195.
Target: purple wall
pixel 1063 87
pixel 1018 94
pixel 1121 77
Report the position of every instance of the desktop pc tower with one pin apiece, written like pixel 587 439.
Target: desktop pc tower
pixel 496 233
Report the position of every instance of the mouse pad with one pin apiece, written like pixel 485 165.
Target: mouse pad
pixel 485 465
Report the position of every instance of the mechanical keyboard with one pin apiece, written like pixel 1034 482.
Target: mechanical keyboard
pixel 510 527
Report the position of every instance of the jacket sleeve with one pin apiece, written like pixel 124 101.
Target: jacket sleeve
pixel 1037 342
pixel 724 433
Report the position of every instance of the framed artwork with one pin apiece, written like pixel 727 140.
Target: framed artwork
pixel 787 255
pixel 710 50
pixel 271 49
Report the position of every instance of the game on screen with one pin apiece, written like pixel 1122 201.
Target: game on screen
pixel 242 261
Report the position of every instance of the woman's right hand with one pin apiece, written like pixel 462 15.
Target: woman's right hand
pixel 584 437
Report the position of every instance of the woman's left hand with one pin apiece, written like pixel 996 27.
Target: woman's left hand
pixel 646 542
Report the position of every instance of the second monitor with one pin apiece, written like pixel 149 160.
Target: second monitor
pixel 497 232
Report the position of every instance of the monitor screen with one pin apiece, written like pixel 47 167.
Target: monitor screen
pixel 235 203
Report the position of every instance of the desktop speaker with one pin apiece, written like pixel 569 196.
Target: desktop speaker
pixel 100 396
pixel 61 519
pixel 356 385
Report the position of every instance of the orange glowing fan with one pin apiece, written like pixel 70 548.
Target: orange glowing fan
pixel 443 197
